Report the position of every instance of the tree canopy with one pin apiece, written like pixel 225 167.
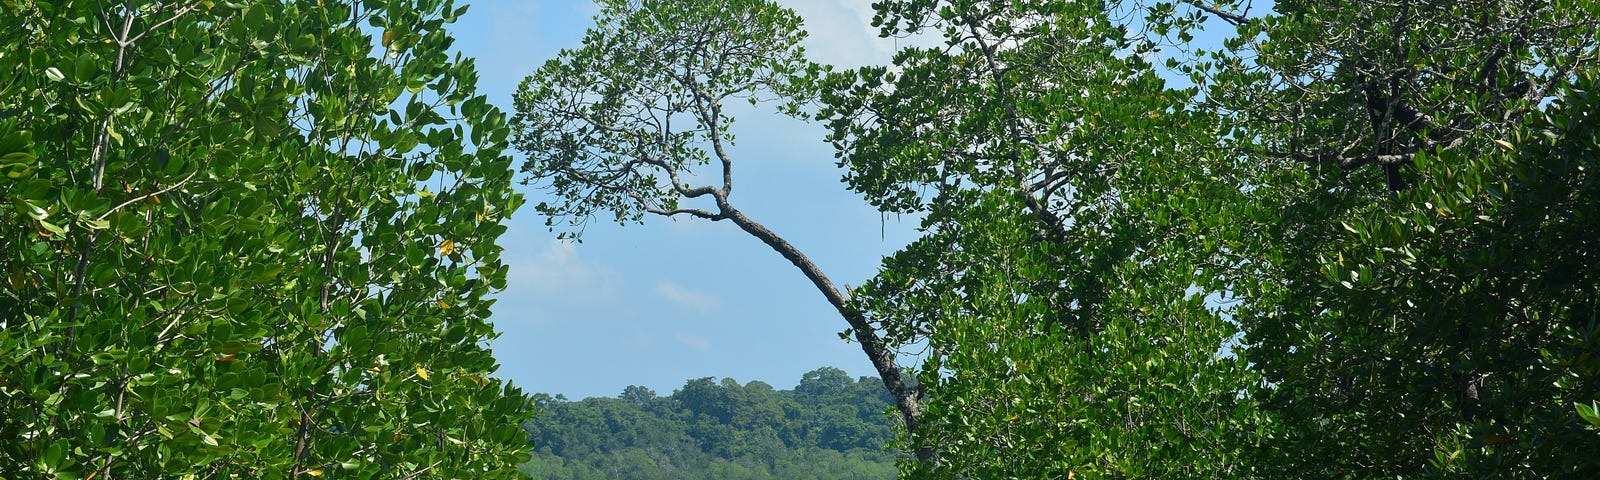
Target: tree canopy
pixel 829 426
pixel 1058 281
pixel 1349 239
pixel 249 238
pixel 619 125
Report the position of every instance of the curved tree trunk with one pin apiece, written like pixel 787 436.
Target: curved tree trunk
pixel 906 396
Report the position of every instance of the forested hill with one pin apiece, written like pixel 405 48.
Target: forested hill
pixel 829 427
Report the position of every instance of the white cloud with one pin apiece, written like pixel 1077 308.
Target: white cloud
pixel 841 33
pixel 686 297
pixel 559 274
pixel 694 341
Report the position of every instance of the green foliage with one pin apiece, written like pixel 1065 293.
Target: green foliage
pixel 1358 88
pixel 1588 414
pixel 1142 394
pixel 1448 329
pixel 1361 247
pixel 618 125
pixel 248 239
pixel 830 426
pixel 1077 212
pixel 1428 323
pixel 1058 281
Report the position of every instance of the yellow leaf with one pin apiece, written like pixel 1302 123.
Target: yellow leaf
pixel 315 472
pixel 448 247
pixel 444 305
pixel 422 372
pixel 1505 144
pixel 388 38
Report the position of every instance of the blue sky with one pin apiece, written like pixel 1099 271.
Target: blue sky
pixel 666 301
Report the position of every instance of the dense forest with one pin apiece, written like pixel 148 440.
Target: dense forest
pixel 829 427
pixel 1190 239
pixel 1158 239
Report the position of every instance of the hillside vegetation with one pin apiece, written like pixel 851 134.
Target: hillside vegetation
pixel 829 427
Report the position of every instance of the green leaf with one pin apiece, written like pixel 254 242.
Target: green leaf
pixel 16 158
pixel 93 224
pixel 51 227
pixel 55 455
pixel 84 67
pixel 1589 413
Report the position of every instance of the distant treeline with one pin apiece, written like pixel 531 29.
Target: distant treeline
pixel 829 427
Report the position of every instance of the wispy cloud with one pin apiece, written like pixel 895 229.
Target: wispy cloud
pixel 686 297
pixel 558 274
pixel 694 341
pixel 841 33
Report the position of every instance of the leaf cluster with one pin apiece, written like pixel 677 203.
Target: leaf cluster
pixel 1447 330
pixel 248 238
pixel 617 125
